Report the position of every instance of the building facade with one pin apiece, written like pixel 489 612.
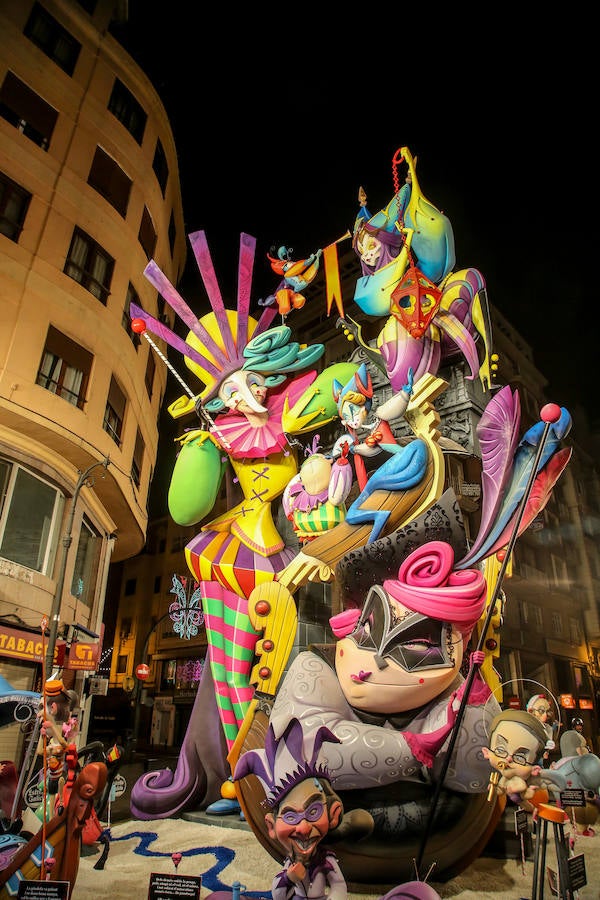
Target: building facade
pixel 89 192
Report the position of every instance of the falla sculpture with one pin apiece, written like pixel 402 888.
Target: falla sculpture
pixel 404 671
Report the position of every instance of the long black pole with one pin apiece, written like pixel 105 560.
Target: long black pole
pixel 475 667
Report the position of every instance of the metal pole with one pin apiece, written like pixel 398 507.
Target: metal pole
pixel 66 543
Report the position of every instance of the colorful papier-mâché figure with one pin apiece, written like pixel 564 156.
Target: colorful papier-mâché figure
pixel 314 499
pixel 517 740
pixel 407 255
pixel 393 688
pixel 249 371
pixel 60 726
pixel 354 402
pixel 302 808
pixel 540 707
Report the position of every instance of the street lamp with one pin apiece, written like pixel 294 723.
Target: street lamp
pixel 66 543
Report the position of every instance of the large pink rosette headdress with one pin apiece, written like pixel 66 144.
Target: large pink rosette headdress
pixel 428 584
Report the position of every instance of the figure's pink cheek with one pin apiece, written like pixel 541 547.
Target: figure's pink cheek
pixel 341 652
pixel 421 681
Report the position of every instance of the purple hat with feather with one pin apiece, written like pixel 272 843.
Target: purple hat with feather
pixel 286 761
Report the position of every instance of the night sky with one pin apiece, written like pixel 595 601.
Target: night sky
pixel 274 139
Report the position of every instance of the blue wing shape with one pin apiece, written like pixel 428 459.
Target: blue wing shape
pixel 402 471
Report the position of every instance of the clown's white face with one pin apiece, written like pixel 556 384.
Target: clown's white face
pixel 369 248
pixel 244 392
pixel 353 415
pixel 396 660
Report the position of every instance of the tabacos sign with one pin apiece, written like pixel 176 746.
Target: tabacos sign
pixel 83 656
pixel 28 645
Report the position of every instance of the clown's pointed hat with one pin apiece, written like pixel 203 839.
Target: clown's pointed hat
pixel 286 761
pixel 224 340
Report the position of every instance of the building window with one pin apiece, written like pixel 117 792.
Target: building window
pixel 150 370
pixel 147 234
pixel 14 203
pixel 559 571
pixel 130 586
pixel 90 265
pixel 524 612
pixel 26 110
pixel 132 297
pixel 115 411
pixel 178 543
pixel 122 664
pixel 127 110
pixel 159 164
pixel 65 368
pixel 557 625
pixel 87 560
pixel 172 233
pixel 169 673
pixel 50 36
pixel 109 179
pixel 582 680
pixel 30 518
pixel 574 631
pixel 188 673
pixel 138 459
pixel 538 617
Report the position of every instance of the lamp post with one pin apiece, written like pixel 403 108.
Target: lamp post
pixel 66 543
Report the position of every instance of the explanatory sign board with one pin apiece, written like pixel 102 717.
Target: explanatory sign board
pixel 174 887
pixel 43 890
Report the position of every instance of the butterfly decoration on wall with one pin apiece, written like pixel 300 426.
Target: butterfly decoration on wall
pixel 185 612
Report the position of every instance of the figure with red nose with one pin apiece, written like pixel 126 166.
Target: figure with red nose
pixel 302 808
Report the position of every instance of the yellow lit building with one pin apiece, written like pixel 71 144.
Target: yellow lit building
pixel 89 192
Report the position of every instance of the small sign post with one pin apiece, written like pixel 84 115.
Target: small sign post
pixel 142 671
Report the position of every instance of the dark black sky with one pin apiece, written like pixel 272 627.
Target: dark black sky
pixel 277 127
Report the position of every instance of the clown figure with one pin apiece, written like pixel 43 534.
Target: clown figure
pixel 354 402
pixel 302 809
pixel 249 371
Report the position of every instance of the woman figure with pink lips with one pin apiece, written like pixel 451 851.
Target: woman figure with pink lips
pixel 393 689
